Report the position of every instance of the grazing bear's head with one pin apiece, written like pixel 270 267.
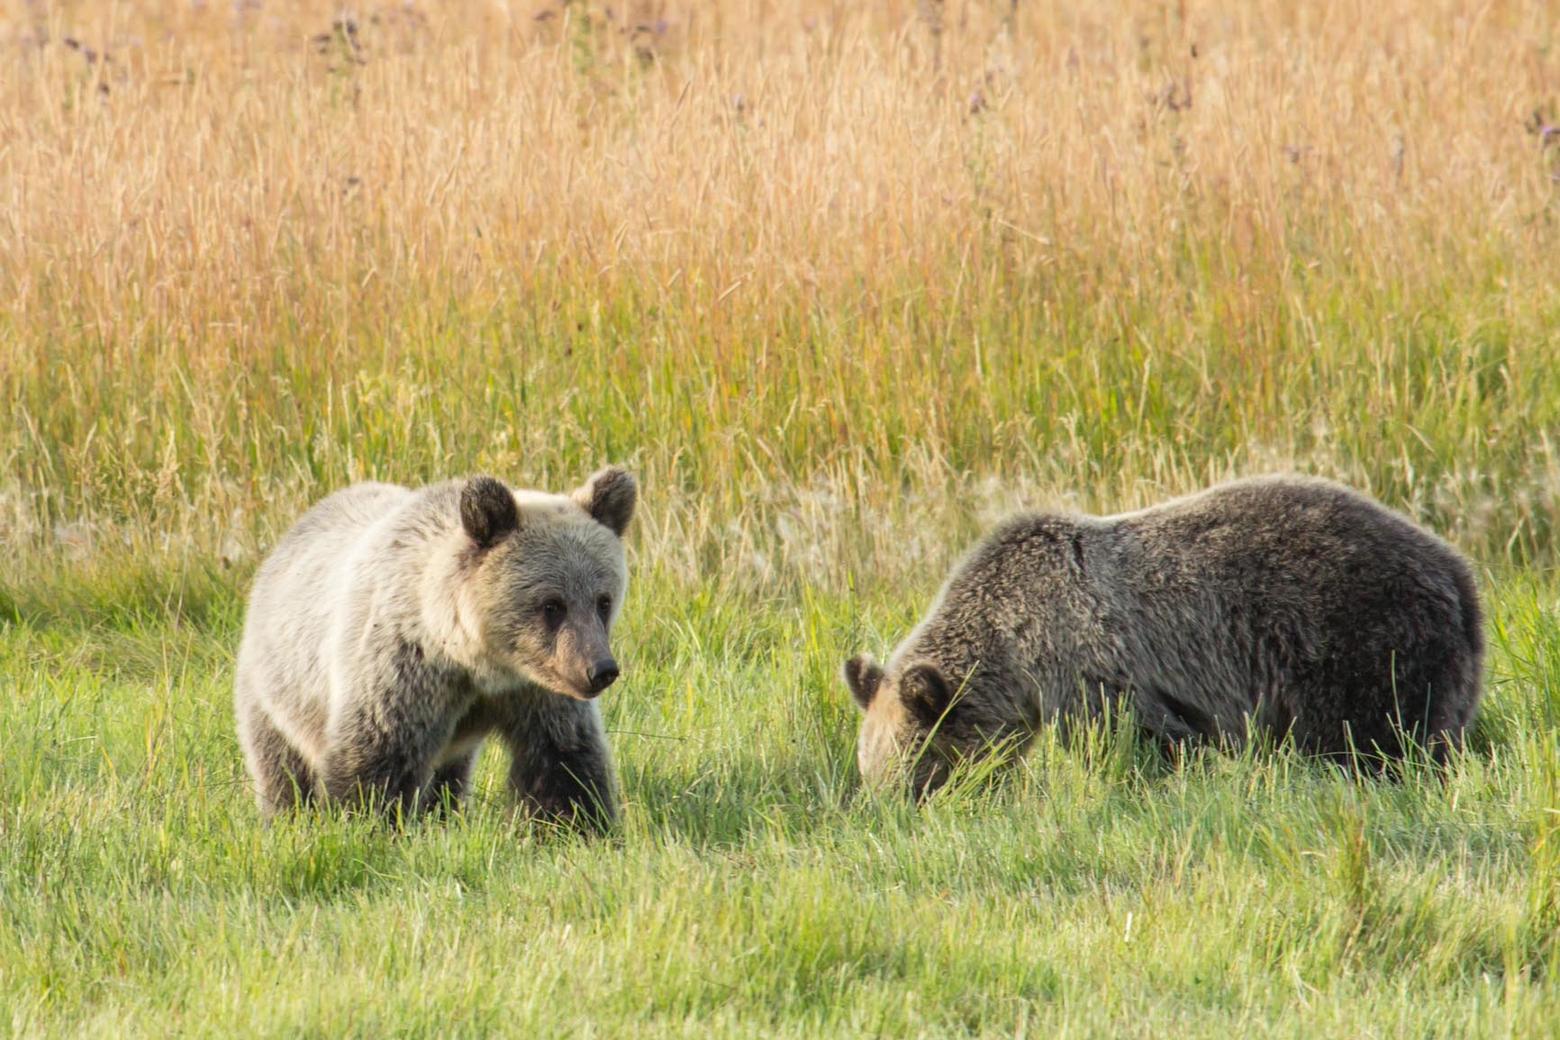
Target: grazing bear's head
pixel 542 578
pixel 912 727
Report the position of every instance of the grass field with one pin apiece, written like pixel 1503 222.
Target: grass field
pixel 843 283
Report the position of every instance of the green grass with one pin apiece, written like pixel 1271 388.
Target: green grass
pixel 752 889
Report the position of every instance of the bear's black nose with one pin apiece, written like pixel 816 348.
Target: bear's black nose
pixel 602 674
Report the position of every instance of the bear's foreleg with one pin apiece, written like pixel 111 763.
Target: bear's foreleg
pixel 368 768
pixel 386 733
pixel 562 771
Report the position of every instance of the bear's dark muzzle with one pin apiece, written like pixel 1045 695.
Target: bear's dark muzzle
pixel 602 674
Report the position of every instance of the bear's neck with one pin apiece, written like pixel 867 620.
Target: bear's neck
pixel 959 651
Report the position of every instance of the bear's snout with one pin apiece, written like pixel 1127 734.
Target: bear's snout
pixel 601 674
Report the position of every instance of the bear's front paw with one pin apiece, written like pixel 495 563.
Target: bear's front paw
pixel 572 806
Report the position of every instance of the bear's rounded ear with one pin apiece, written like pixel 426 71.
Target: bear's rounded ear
pixel 926 693
pixel 863 675
pixel 488 511
pixel 609 497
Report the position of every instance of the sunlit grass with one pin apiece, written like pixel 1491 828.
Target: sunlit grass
pixel 752 885
pixel 816 290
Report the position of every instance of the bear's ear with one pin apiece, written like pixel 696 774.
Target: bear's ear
pixel 609 497
pixel 926 693
pixel 487 511
pixel 863 675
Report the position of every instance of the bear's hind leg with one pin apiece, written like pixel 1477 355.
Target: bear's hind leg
pixel 282 779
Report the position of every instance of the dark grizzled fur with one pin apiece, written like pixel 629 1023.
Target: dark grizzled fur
pixel 385 745
pixel 559 769
pixel 1288 605
pixel 391 631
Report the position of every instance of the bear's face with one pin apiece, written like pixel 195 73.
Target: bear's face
pixel 546 580
pixel 908 732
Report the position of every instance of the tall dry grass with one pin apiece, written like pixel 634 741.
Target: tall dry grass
pixel 841 280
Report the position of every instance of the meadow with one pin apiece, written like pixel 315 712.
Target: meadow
pixel 844 284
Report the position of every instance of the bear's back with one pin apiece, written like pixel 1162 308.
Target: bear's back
pixel 1282 534
pixel 341 516
pixel 297 576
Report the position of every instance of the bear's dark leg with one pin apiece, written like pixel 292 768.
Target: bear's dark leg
pixel 385 775
pixel 447 790
pixel 283 780
pixel 382 743
pixel 1366 709
pixel 383 768
pixel 385 780
pixel 562 771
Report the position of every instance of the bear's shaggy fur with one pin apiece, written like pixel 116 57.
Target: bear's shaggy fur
pixel 1289 605
pixel 391 630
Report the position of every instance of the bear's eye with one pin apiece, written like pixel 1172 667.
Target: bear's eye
pixel 553 611
pixel 604 606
